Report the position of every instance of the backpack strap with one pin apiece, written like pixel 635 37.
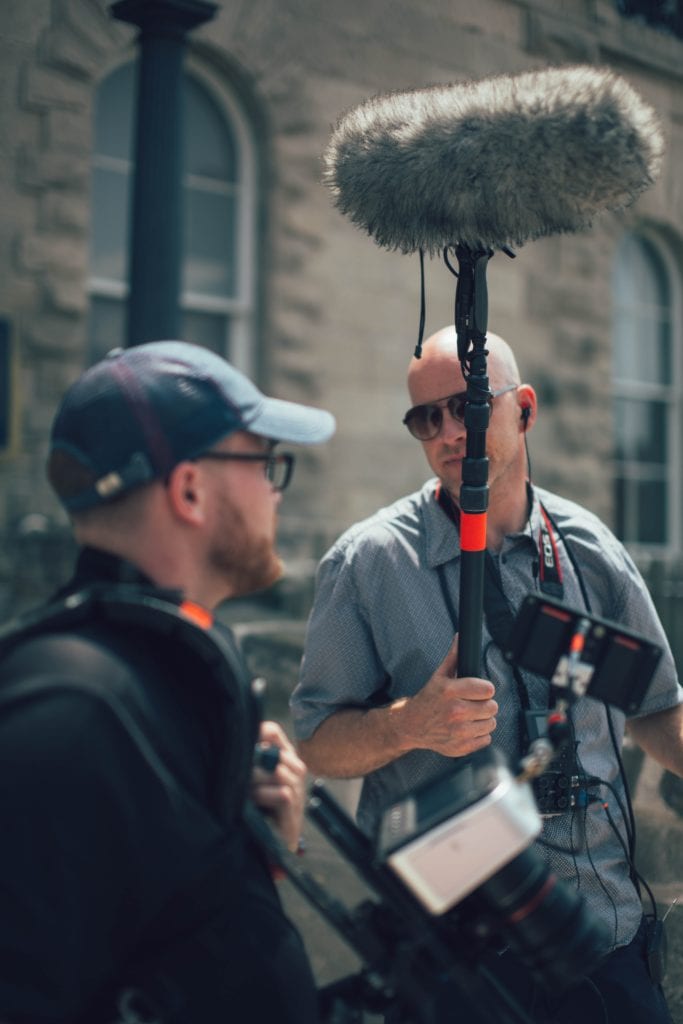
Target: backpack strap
pixel 101 616
pixel 104 609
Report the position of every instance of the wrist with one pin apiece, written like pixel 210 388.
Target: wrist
pixel 398 727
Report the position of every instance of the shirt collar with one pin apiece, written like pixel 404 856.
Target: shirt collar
pixel 443 537
pixel 441 533
pixel 533 525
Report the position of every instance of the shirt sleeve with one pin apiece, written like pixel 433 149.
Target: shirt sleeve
pixel 620 594
pixel 341 666
pixel 636 609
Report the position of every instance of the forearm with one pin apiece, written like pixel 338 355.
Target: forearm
pixel 451 716
pixel 354 742
pixel 661 736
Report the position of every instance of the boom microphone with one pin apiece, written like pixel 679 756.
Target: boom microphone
pixel 491 164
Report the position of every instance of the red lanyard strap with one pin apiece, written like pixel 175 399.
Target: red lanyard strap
pixel 550 569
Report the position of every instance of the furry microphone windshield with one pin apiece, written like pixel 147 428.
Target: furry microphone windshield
pixel 492 164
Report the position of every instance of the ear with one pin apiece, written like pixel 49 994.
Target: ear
pixel 186 492
pixel 528 406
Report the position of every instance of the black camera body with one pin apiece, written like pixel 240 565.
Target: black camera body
pixel 458 878
pixel 447 836
pixel 462 844
pixel 561 787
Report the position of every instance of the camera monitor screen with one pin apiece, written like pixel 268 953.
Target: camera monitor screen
pixel 615 665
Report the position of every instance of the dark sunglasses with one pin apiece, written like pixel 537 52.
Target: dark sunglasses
pixel 278 467
pixel 425 421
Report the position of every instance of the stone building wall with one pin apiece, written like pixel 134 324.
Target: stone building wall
pixel 339 316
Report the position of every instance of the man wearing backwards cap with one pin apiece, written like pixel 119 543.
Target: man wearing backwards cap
pixel 131 886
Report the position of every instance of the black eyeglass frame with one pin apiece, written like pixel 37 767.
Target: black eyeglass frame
pixel 271 460
pixel 459 399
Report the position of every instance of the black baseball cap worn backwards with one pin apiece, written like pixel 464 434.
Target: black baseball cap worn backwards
pixel 140 411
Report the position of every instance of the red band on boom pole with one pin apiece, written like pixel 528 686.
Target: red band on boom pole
pixel 472 531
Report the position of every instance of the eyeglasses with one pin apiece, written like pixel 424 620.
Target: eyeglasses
pixel 425 421
pixel 278 468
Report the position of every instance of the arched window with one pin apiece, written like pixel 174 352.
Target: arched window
pixel 647 396
pixel 218 284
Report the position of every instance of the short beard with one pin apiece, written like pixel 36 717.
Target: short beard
pixel 263 568
pixel 249 563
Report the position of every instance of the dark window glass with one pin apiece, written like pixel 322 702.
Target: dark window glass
pixel 644 395
pixel 663 14
pixel 5 384
pixel 640 434
pixel 652 525
pixel 211 277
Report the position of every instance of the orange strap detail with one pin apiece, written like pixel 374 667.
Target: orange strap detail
pixel 472 531
pixel 518 915
pixel 197 614
pixel 577 643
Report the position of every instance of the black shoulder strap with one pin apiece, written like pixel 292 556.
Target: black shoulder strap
pixel 168 621
pixel 148 977
pixel 160 611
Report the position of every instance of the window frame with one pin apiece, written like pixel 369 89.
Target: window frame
pixel 671 392
pixel 13 391
pixel 239 310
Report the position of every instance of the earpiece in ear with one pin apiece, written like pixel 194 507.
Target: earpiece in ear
pixel 526 413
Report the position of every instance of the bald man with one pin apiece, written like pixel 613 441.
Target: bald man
pixel 379 695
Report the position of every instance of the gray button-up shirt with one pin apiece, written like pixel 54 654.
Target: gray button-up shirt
pixel 380 619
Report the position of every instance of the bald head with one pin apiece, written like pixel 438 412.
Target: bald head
pixel 438 372
pixel 441 429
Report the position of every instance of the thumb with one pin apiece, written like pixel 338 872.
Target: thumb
pixel 449 665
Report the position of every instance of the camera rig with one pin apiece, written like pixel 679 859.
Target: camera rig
pixel 580 654
pixel 412 971
pixel 453 871
pixel 421 966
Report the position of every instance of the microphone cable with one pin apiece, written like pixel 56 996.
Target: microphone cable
pixel 637 878
pixel 630 822
pixel 423 308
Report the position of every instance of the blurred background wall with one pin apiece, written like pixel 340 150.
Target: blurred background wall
pixel 276 279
